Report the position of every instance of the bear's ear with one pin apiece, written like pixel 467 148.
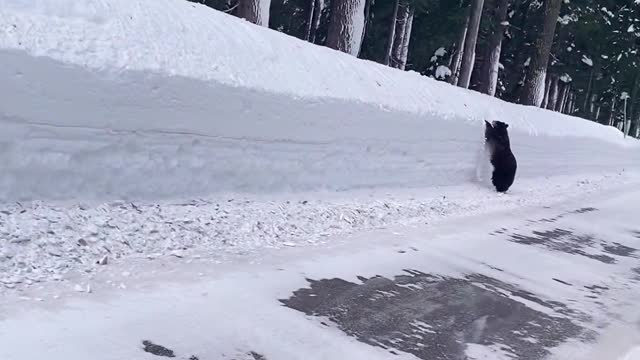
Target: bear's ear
pixel 506 125
pixel 488 124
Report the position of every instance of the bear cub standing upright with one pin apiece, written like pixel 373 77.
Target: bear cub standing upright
pixel 499 149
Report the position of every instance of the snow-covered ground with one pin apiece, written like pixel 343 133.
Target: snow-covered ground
pixel 48 241
pixel 559 282
pixel 142 135
pixel 145 128
pixel 633 354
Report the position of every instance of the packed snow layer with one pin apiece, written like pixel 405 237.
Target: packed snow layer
pixel 45 242
pixel 71 132
pixel 179 38
pixel 139 99
pixel 633 354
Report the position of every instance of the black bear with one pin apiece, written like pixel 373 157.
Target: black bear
pixel 502 159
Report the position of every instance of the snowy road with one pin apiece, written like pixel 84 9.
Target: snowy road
pixel 537 283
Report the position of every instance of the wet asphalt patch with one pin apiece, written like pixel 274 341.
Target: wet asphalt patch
pixel 596 289
pixel 583 210
pixel 620 250
pixel 567 241
pixel 435 317
pixel 547 220
pixel 162 351
pixel 587 245
pixel 257 356
pixel 157 350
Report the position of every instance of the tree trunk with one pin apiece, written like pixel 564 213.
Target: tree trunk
pixel 392 35
pixel 561 88
pixel 401 29
pixel 255 11
pixel 482 45
pixel 625 121
pixel 634 115
pixel 634 95
pixel 553 93
pixel 565 101
pixel 587 95
pixel 613 111
pixel 452 54
pixel 367 18
pixel 346 26
pixel 515 73
pixel 562 97
pixel 572 103
pixel 534 86
pixel 592 106
pixel 309 24
pixel 404 55
pixel 547 88
pixel 457 59
pixel 487 81
pixel 318 7
pixel 469 53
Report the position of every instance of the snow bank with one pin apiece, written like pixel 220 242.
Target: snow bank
pixel 138 99
pixel 178 38
pixel 45 241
